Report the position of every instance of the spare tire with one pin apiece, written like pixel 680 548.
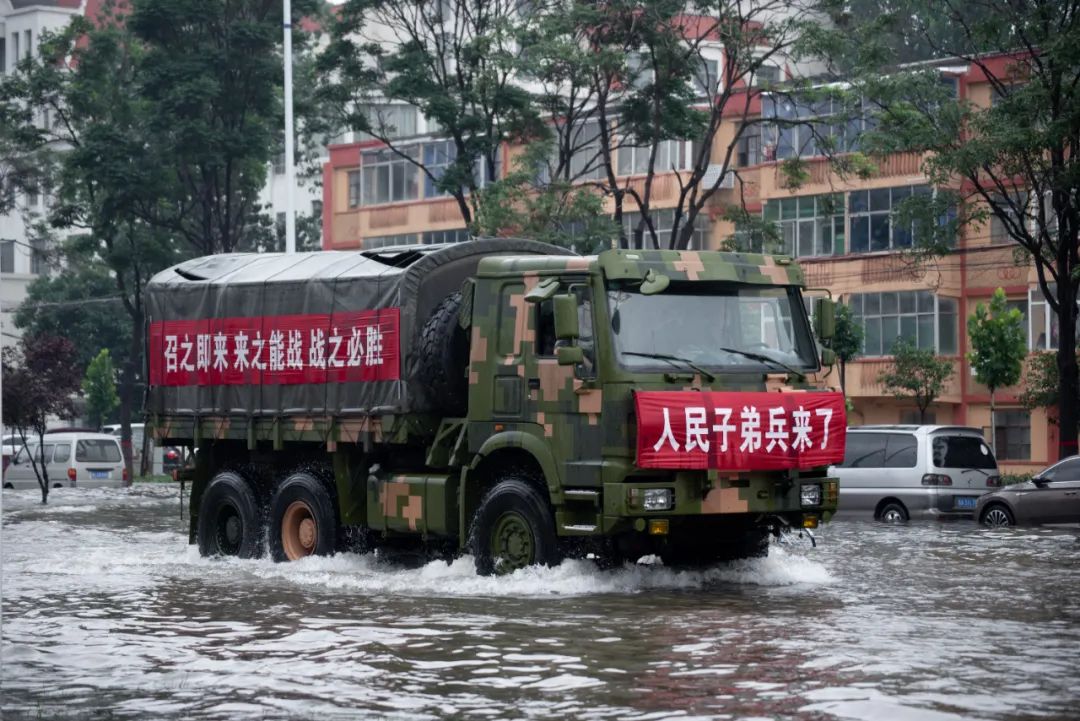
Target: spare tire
pixel 444 359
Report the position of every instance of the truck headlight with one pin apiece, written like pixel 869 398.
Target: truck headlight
pixel 652 499
pixel 810 494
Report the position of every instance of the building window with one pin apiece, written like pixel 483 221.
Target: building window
pixel 809 226
pixel 873 227
pixel 438 157
pixel 634 159
pixel 1043 321
pixel 14 50
pixel 766 75
pixel 748 147
pixel 385 241
pixel 389 121
pixel 279 163
pixel 433 237
pixel 7 256
pixel 663 220
pixel 911 418
pixel 38 258
pixel 707 77
pixel 1012 435
pixel 354 188
pixel 29 43
pixel 999 229
pixel 387 177
pixel 819 121
pixel 585 162
pixel 917 316
pixel 3 56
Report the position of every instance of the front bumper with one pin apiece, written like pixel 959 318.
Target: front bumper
pixel 699 495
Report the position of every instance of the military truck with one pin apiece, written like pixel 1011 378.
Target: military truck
pixel 501 397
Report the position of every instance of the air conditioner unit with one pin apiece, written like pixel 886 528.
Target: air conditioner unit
pixel 716 173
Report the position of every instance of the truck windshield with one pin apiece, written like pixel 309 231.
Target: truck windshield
pixel 712 325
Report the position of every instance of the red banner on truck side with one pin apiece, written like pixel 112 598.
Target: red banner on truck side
pixel 739 431
pixel 354 346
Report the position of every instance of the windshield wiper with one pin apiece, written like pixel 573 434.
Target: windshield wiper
pixel 673 359
pixel 765 359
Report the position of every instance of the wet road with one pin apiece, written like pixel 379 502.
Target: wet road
pixel 107 613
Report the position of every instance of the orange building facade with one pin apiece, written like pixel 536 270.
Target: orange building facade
pixel 841 230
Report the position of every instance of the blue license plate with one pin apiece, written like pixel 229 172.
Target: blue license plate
pixel 965 501
pixel 99 474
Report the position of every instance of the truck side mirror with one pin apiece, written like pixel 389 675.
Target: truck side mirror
pixel 566 317
pixel 569 355
pixel 825 318
pixel 828 356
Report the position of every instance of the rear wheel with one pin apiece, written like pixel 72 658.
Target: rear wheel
pixel 303 519
pixel 893 512
pixel 998 516
pixel 230 521
pixel 512 529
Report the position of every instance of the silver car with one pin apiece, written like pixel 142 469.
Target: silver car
pixel 894 473
pixel 73 459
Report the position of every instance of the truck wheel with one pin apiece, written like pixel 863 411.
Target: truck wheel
pixel 230 521
pixel 512 529
pixel 444 358
pixel 303 521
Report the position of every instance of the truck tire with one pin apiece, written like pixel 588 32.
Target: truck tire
pixel 512 529
pixel 303 519
pixel 230 520
pixel 444 358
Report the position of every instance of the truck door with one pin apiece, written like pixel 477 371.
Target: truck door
pixel 565 400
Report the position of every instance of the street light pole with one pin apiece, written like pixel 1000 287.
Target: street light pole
pixel 290 169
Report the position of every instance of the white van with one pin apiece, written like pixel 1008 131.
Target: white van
pixel 75 459
pixel 894 473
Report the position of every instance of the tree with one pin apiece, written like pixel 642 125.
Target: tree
pixel 1015 160
pixel 81 303
pixel 455 62
pixel 847 340
pixel 916 374
pixel 998 348
pixel 99 387
pixel 39 382
pixel 608 90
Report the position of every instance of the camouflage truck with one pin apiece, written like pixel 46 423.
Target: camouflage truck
pixel 501 397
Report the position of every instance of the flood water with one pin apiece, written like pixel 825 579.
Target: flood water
pixel 108 613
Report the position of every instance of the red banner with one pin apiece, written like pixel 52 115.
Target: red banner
pixel 739 431
pixel 283 349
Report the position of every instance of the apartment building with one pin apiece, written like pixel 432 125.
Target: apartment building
pixel 22 23
pixel 843 231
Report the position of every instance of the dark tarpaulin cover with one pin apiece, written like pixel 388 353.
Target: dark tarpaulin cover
pixel 414 279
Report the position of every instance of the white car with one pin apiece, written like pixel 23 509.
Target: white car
pixel 73 459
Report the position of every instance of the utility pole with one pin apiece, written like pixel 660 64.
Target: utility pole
pixel 290 169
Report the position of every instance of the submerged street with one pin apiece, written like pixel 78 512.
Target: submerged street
pixel 108 613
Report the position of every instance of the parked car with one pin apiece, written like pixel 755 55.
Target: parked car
pixel 895 473
pixel 72 459
pixel 1051 496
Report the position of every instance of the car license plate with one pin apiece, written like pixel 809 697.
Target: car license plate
pixel 99 474
pixel 965 502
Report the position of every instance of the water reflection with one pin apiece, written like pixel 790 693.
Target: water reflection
pixel 107 610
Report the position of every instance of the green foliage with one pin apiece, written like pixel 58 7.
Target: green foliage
pixel 847 341
pixel 1041 383
pixel 39 383
pixel 1015 159
pixel 99 388
pixel 1011 479
pixel 998 343
pixel 916 374
pixel 81 303
pixel 558 212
